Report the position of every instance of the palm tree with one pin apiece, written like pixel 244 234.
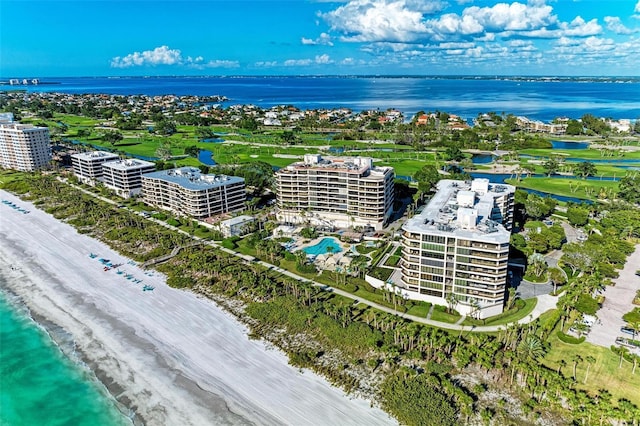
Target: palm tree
pixel 576 360
pixel 531 347
pixel 623 351
pixel 590 360
pixel 561 364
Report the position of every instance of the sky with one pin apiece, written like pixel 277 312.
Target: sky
pixel 307 37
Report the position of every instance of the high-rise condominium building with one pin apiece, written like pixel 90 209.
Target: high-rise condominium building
pixel 125 176
pixel 187 192
pixel 335 192
pixel 87 166
pixel 23 146
pixel 455 252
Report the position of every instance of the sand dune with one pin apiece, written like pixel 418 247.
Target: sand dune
pixel 174 357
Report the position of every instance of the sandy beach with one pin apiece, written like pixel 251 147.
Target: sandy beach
pixel 170 356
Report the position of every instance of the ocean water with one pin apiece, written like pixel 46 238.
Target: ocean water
pixel 535 97
pixel 39 385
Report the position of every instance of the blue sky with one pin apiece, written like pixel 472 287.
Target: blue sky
pixel 283 37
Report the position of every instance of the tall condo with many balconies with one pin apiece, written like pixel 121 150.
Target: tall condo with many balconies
pixel 23 146
pixel 455 252
pixel 337 192
pixel 187 192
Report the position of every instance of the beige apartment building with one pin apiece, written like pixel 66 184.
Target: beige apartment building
pixel 455 252
pixel 87 166
pixel 23 146
pixel 186 191
pixel 336 192
pixel 124 177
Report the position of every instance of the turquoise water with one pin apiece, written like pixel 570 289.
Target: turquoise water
pixel 39 385
pixel 322 247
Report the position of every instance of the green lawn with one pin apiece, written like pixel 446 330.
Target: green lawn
pixel 576 188
pixel 605 373
pixel 587 154
pixel 508 317
pixel 439 314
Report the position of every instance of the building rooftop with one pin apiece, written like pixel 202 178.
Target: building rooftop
pixel 93 155
pixel 462 208
pixel 191 178
pixel 360 165
pixel 128 164
pixel 237 220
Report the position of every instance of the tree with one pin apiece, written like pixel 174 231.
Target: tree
pixel 585 169
pixel 165 127
pixel 576 359
pixel 538 207
pixel 577 216
pixel 574 127
pixel 248 123
pixel 537 264
pixel 414 400
pixel 453 153
pixel 590 361
pixel 192 151
pixel 531 347
pixel 112 137
pixel 578 257
pixel 205 133
pixel 551 166
pixel 427 178
pixel 557 277
pixel 629 188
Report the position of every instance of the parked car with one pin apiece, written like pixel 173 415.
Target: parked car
pixel 627 330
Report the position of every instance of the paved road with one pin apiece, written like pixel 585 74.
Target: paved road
pixel 618 301
pixel 545 302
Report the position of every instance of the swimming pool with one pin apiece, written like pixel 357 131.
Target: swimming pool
pixel 322 247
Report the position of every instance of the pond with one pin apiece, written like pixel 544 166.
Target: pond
pixel 206 157
pixel 212 140
pixel 569 145
pixel 482 158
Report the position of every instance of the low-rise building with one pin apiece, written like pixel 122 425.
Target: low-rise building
pixel 337 192
pixel 187 192
pixel 236 226
pixel 87 166
pixel 23 146
pixel 455 252
pixel 125 176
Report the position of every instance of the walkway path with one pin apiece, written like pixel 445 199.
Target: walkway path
pixel 618 301
pixel 545 302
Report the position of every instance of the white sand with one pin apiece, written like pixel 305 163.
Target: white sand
pixel 175 357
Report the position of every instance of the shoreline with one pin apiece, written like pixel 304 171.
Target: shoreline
pixel 170 355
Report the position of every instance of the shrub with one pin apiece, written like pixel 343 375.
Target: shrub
pixel 570 339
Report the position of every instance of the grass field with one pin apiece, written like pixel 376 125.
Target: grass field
pixel 577 188
pixel 604 373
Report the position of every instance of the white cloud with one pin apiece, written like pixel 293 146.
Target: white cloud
pixel 323 59
pixel 266 64
pixel 159 56
pixel 218 63
pixel 512 17
pixel 318 60
pixel 377 20
pixel 637 8
pixel 614 24
pixel 163 55
pixel 323 40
